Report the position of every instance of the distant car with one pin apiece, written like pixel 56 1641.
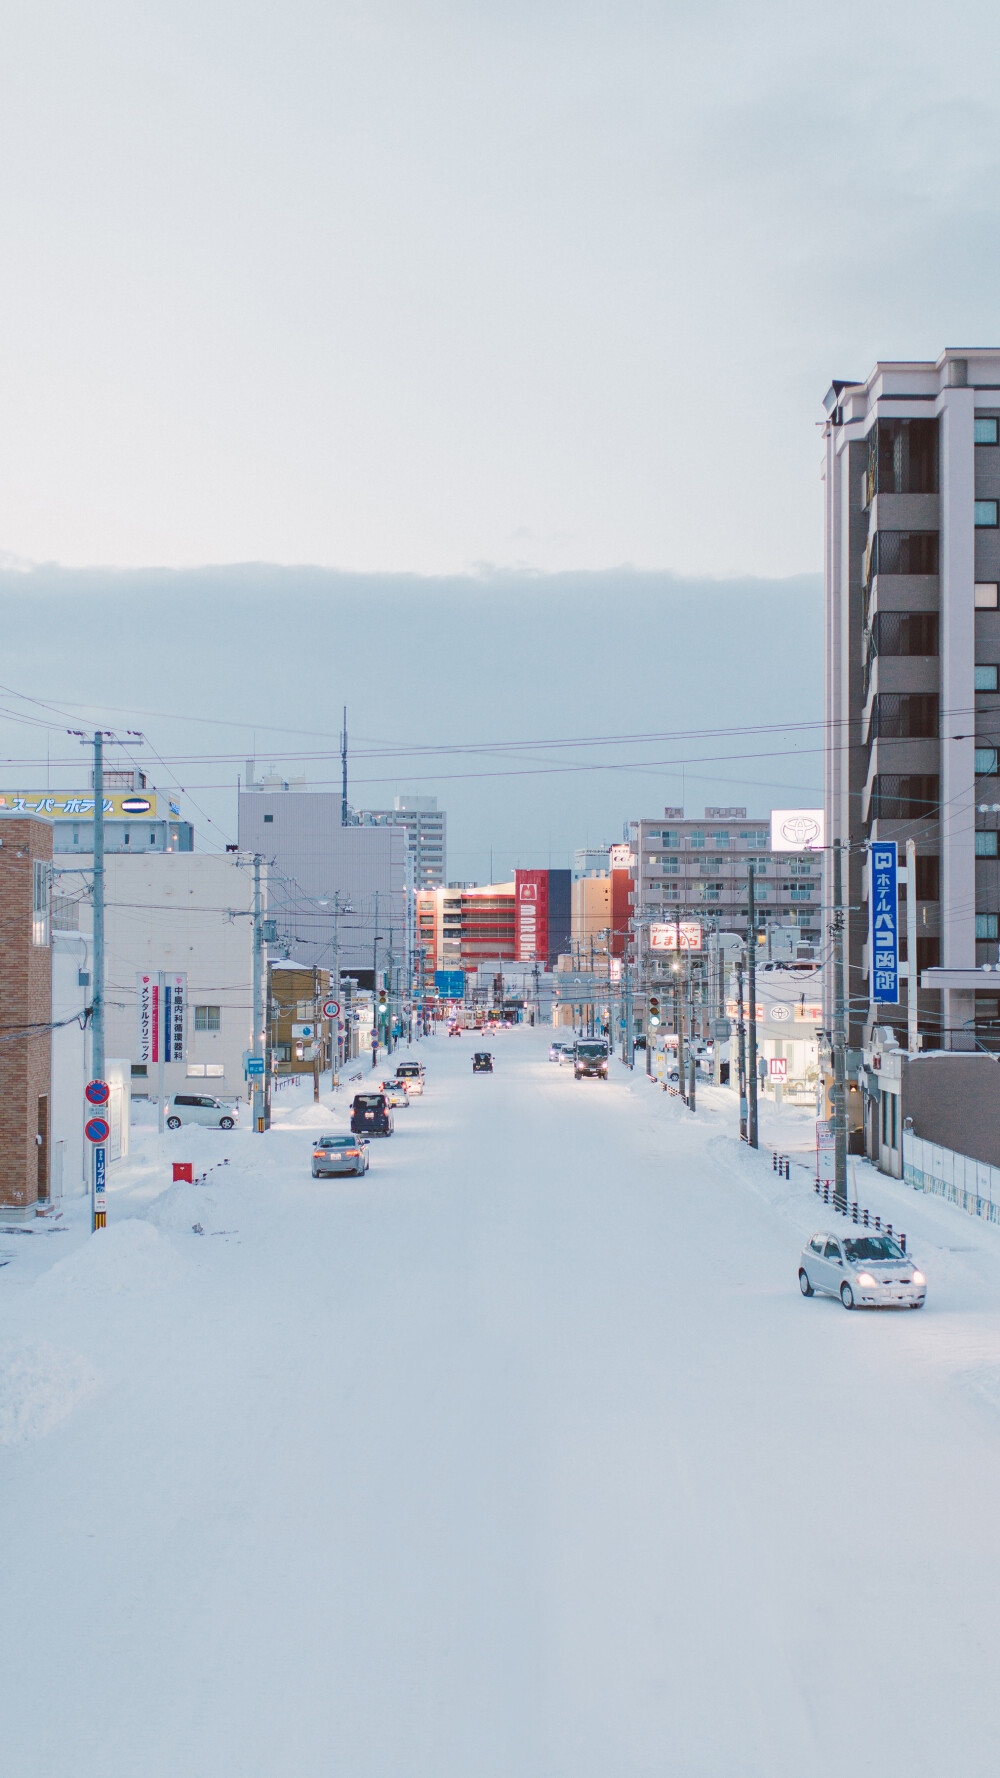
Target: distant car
pixel 339 1154
pixel 590 1059
pixel 866 1270
pixel 370 1115
pixel 411 1074
pixel 395 1092
pixel 454 1030
pixel 200 1108
pixel 558 1050
pixel 482 1062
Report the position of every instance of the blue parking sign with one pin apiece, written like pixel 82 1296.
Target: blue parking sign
pixel 883 924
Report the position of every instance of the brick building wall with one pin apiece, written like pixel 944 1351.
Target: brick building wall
pixel 25 1010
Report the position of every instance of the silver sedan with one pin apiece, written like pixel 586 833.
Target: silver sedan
pixel 333 1155
pixel 866 1270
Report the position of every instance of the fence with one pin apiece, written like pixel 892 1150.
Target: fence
pixel 972 1185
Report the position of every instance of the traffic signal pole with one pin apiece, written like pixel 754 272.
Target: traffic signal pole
pixel 752 985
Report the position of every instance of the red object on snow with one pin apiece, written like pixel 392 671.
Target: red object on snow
pixel 184 1170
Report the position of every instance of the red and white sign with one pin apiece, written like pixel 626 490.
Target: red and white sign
pixel 778 1068
pixel 678 935
pixel 620 857
pixel 531 915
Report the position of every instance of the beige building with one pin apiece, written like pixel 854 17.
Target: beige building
pixel 590 917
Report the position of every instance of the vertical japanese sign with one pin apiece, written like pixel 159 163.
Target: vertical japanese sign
pixel 175 995
pixel 884 924
pixel 147 1010
pixel 99 1217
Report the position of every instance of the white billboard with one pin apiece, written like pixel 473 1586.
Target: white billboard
pixel 620 857
pixel 679 935
pixel 797 830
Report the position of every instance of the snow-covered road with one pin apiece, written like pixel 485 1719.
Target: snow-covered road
pixel 520 1458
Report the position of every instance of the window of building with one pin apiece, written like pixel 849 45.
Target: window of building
pixel 720 837
pixel 986 595
pixel 986 843
pixel 986 762
pixel 755 836
pixel 905 797
pixel 908 552
pixel 208 1018
pixel 268 817
pixel 902 458
pixel 696 839
pixel 202 1071
pixel 985 430
pixel 985 515
pixel 39 903
pixel 986 925
pixel 139 1070
pixel 986 678
pixel 928 877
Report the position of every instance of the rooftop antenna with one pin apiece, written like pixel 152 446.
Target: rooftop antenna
pixel 343 772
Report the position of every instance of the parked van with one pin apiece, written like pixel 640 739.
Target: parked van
pixel 200 1108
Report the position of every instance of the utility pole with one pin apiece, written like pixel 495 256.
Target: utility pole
pixel 375 990
pixel 839 1032
pixel 340 1019
pixel 161 1034
pixel 317 1046
pixel 912 1033
pixel 752 985
pixel 257 1049
pixel 692 1058
pixel 98 1211
pixel 343 772
pixel 741 1037
pixel 679 1003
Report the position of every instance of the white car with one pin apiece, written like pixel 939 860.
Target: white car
pixel 200 1108
pixel 865 1269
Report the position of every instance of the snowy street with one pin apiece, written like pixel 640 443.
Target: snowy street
pixel 520 1457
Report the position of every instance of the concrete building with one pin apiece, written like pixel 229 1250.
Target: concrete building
pixel 698 870
pixel 189 915
pixel 590 921
pixel 542 915
pixel 298 1037
pixel 25 1013
pixel 588 859
pixel 426 829
pixel 312 859
pixel 912 471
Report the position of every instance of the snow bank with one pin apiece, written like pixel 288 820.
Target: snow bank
pixel 130 1258
pixel 39 1385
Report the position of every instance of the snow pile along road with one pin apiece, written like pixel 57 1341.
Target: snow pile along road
pixel 520 1455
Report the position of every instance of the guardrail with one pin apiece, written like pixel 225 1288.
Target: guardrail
pixel 865 1219
pixel 973 1185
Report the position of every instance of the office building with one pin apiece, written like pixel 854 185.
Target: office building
pixel 26 974
pixel 697 870
pixel 136 818
pixel 912 497
pixel 317 867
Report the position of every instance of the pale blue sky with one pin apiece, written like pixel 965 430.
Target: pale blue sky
pixel 418 286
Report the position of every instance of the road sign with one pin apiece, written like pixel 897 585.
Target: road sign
pixel 779 1068
pixel 99 1215
pixel 97 1092
pixel 97 1130
pixel 721 1029
pixel 331 1009
pixel 450 983
pixel 306 1031
pixel 255 1067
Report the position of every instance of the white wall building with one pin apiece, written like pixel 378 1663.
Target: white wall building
pixel 187 914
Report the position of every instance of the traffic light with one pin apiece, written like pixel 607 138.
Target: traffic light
pixel 382 1008
pixel 654 1010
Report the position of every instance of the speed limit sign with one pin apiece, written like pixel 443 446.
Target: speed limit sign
pixel 331 1009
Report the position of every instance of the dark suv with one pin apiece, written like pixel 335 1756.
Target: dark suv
pixel 482 1062
pixel 370 1115
pixel 590 1058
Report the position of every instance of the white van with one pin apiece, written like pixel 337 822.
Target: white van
pixel 200 1108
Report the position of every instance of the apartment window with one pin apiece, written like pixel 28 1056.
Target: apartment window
pixel 986 762
pixel 986 843
pixel 902 457
pixel 720 838
pixel 205 1070
pixel 986 595
pixel 986 515
pixel 139 1070
pixel 39 903
pixel 902 714
pixel 986 678
pixel 910 797
pixel 905 632
pixel 696 839
pixel 208 1018
pixel 928 877
pixel 268 817
pixel 986 431
pixel 986 925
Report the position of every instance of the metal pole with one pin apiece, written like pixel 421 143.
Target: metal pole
pixel 839 1033
pixel 98 1211
pixel 741 1037
pixel 912 1033
pixel 317 1046
pixel 679 1021
pixel 752 986
pixel 692 1058
pixel 375 990
pixel 257 1049
pixel 340 1019
pixel 161 1032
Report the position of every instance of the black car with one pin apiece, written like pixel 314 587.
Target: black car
pixel 590 1058
pixel 370 1115
pixel 482 1062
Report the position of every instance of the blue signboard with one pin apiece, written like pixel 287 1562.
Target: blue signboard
pixel 884 924
pixel 450 983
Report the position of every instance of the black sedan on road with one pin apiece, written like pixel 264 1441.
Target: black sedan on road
pixel 482 1062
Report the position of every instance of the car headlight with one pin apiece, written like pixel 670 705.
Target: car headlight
pixel 865 1278
pixel 918 1278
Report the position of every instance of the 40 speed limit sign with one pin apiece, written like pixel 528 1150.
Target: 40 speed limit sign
pixel 331 1009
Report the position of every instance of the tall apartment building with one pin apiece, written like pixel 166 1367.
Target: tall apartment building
pixel 698 870
pixel 912 496
pixel 426 828
pixel 26 1007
